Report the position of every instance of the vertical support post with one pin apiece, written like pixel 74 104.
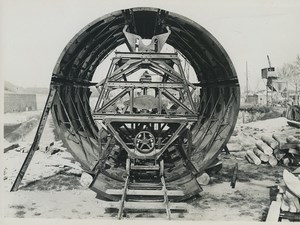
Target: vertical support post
pixel 186 82
pixel 247 82
pixel 166 199
pixel 287 95
pixel 37 138
pixel 160 102
pixel 190 143
pixel 267 100
pixel 104 86
pixel 131 100
pixel 123 199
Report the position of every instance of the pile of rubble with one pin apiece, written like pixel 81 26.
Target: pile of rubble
pixel 274 150
pixel 285 205
pixel 56 156
pixel 23 146
pixel 64 159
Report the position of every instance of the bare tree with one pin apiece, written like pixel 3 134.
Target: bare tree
pixel 285 72
pixel 297 66
pixel 297 62
pixel 291 73
pixel 296 75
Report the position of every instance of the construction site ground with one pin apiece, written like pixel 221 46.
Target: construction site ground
pixel 52 190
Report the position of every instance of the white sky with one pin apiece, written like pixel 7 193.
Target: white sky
pixel 33 33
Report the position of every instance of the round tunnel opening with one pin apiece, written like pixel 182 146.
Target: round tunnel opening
pixel 217 98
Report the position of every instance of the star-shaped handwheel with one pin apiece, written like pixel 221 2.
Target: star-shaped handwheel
pixel 144 141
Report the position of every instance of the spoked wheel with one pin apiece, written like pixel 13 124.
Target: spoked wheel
pixel 144 141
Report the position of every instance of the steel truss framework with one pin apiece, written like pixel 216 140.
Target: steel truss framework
pixel 126 124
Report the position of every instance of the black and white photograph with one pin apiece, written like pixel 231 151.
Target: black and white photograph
pixel 147 110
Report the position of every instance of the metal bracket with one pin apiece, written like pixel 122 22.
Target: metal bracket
pixel 135 42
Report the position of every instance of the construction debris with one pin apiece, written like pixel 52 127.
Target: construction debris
pixel 11 147
pixel 277 149
pixel 86 179
pixel 203 179
pixel 22 130
pixel 55 147
pixel 234 176
pixel 287 203
pixel 252 158
pixel 51 149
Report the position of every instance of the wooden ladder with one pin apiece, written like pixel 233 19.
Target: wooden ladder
pixel 136 195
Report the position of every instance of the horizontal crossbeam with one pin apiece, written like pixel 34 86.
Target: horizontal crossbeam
pixel 121 84
pixel 145 192
pixel 155 118
pixel 146 55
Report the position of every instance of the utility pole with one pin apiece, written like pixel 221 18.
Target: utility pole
pixel 247 81
pixel 269 80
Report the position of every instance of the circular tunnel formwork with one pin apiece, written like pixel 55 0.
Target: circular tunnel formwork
pixel 217 109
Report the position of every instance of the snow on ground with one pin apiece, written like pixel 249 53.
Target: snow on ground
pixel 19 117
pixel 51 190
pixel 48 135
pixel 269 125
pixel 6 143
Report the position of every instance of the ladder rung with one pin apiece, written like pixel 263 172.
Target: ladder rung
pixel 137 167
pixel 145 192
pixel 145 187
pixel 144 184
pixel 147 205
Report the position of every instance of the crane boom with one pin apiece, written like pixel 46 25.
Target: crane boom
pixel 269 61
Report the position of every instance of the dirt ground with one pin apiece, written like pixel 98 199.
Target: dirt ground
pixel 50 190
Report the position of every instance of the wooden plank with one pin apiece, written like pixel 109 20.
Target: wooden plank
pixel 263 157
pixel 284 203
pixel 279 154
pixel 296 171
pixel 123 199
pixel 253 157
pixel 249 159
pixel 234 175
pixel 144 192
pixel 147 168
pixel 264 147
pixel 293 123
pixel 292 139
pixel 11 147
pixel 147 205
pixel 292 201
pixel 144 185
pixel 288 146
pixel 269 141
pixel 290 217
pixel 274 212
pixel 166 199
pixel 292 182
pixel 273 161
pixel 279 139
pixel 294 151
